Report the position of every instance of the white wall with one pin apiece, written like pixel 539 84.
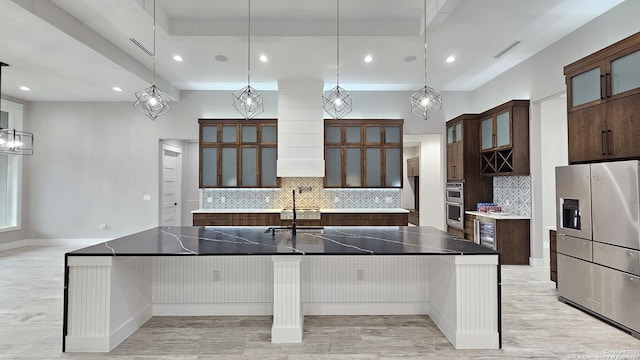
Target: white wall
pixel 554 152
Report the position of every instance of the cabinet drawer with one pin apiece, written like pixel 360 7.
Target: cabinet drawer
pixel 626 260
pixel 576 247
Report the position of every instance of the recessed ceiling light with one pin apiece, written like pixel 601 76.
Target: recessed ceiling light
pixel 264 58
pixel 24 88
pixel 221 58
pixel 177 58
pixel 451 59
pixel 368 58
pixel 410 58
pixel 115 88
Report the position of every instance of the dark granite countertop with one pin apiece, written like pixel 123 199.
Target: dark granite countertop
pixel 207 240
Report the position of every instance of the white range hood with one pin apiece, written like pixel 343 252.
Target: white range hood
pixel 300 128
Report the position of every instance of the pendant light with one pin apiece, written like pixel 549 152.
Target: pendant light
pixel 151 101
pixel 337 101
pixel 426 101
pixel 14 141
pixel 248 101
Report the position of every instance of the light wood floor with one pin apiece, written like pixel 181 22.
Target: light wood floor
pixel 536 326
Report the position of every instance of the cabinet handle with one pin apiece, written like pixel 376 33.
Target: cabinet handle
pixel 603 133
pixel 608 87
pixel 603 86
pixel 609 142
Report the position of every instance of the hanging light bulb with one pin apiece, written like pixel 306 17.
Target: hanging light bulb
pixel 426 101
pixel 14 141
pixel 248 101
pixel 151 101
pixel 337 101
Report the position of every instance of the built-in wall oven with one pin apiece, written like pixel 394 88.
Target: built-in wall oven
pixel 454 204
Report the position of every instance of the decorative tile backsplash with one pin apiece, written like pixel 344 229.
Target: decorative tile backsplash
pixel 310 193
pixel 513 194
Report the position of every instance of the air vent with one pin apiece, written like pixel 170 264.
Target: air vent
pixel 509 47
pixel 141 46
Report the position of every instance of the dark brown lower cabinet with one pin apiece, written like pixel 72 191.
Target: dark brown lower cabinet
pixel 365 219
pixel 455 232
pixel 328 219
pixel 553 255
pixel 513 241
pixel 236 219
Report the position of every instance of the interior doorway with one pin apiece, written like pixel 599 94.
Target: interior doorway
pixel 171 186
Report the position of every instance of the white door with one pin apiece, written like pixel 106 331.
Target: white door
pixel 171 170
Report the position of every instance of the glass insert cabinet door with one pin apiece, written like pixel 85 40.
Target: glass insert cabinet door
pixel 625 73
pixel 268 166
pixel 209 167
pixel 458 132
pixel 503 133
pixel 373 167
pixel 354 177
pixel 393 168
pixel 486 129
pixel 585 87
pixel 333 160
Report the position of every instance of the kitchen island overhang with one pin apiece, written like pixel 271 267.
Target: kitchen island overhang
pixel 113 288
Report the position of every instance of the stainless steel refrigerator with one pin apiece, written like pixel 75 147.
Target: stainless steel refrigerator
pixel 598 240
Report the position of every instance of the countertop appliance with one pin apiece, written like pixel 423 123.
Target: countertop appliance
pixel 454 204
pixel 598 240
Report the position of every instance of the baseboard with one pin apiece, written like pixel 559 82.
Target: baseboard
pixel 399 308
pixel 538 262
pixel 477 341
pixel 12 245
pixel 130 326
pixel 213 309
pixel 107 343
pixel 446 327
pixel 50 242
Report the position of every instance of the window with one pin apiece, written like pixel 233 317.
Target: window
pixel 10 171
pixel 363 153
pixel 238 153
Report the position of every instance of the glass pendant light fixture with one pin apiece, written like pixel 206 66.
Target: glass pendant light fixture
pixel 248 101
pixel 426 101
pixel 337 101
pixel 151 101
pixel 14 141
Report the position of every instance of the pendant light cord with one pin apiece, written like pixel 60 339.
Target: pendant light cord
pixel 249 46
pixel 154 42
pixel 425 43
pixel 338 44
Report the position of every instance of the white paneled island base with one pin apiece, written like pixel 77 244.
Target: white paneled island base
pixel 109 297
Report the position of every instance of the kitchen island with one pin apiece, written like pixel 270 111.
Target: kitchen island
pixel 114 287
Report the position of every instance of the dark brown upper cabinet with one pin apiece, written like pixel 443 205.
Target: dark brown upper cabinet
pixel 603 103
pixel 363 153
pixel 238 153
pixel 504 139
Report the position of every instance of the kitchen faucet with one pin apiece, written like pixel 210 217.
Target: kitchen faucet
pixel 293 226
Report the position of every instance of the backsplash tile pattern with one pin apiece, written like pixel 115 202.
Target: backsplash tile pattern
pixel 513 194
pixel 313 196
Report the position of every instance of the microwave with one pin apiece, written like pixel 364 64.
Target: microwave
pixel 454 192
